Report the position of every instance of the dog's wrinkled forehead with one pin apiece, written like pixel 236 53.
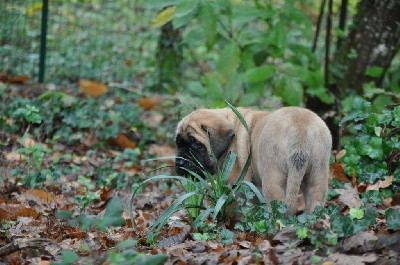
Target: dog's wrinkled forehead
pixel 191 125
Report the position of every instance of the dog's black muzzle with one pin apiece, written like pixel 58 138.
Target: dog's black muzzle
pixel 184 166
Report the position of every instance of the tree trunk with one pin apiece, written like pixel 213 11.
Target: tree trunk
pixel 169 58
pixel 373 41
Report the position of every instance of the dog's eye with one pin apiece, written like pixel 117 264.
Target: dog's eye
pixel 195 143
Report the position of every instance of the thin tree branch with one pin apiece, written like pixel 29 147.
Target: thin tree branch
pixel 342 22
pixel 328 42
pixel 321 14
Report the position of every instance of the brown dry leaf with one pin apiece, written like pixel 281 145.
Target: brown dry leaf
pixel 43 200
pixel 264 245
pixel 381 184
pixel 152 119
pixel 93 88
pixel 337 171
pixel 163 151
pixel 344 259
pixel 14 156
pixel 151 103
pixel 19 79
pixel 13 211
pixel 245 244
pixel 124 142
pixel 354 179
pixel 396 199
pixel 387 202
pixel 28 142
pixel 340 154
pixel 350 197
pixel 39 196
pixel 362 242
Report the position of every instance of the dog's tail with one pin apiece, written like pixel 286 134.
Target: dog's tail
pixel 297 168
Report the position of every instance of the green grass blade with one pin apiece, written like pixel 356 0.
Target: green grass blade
pixel 163 158
pixel 202 217
pixel 228 165
pixel 218 206
pixel 237 113
pixel 175 206
pixel 248 162
pixel 256 191
pixel 203 182
pixel 143 183
pixel 243 173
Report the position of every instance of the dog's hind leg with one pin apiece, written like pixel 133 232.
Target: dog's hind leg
pixel 315 188
pixel 296 170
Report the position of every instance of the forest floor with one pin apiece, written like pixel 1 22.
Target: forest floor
pixel 57 201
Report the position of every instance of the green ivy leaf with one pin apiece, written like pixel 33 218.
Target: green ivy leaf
pixel 302 232
pixel 396 113
pixel 227 236
pixel 331 239
pixel 114 208
pixel 316 259
pixel 342 225
pixel 356 213
pixel 68 257
pixel 158 259
pixel 392 218
pixel 62 214
pixel 373 148
pixel 202 236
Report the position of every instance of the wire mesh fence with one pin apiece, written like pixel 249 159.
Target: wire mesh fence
pixel 107 41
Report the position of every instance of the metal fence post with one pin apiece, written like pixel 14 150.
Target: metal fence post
pixel 43 37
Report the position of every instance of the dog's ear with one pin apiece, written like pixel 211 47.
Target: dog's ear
pixel 219 138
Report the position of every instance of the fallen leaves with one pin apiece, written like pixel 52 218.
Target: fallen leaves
pixel 124 142
pixel 152 102
pixel 13 211
pixel 29 212
pixel 337 171
pixel 18 79
pixel 350 197
pixel 164 17
pixel 345 259
pixel 93 88
pixel 380 184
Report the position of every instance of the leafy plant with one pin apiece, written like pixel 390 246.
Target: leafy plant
pixel 89 194
pixel 111 218
pixel 373 150
pixel 244 64
pixel 34 155
pixel 124 254
pixel 63 118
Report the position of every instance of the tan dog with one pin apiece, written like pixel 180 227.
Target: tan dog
pixel 290 147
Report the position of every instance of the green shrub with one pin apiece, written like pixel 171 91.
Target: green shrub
pixel 251 48
pixel 373 147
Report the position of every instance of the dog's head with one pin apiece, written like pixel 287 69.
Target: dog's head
pixel 202 137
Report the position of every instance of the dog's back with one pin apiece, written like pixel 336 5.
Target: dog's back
pixel 296 144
